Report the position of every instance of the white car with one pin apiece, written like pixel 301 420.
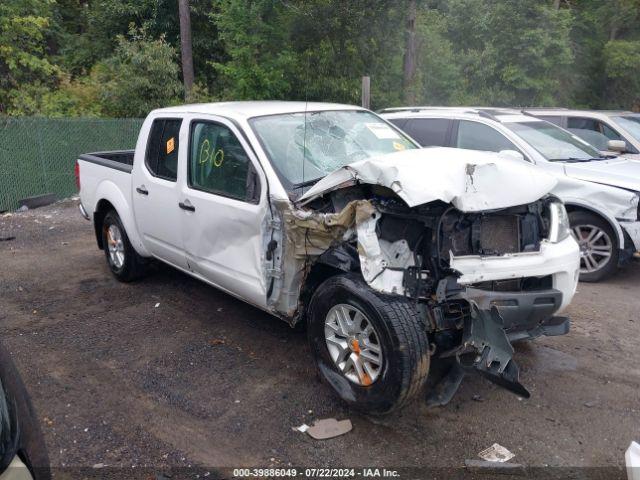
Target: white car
pixel 609 131
pixel 328 216
pixel 601 193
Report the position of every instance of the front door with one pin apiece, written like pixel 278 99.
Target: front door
pixel 224 228
pixel 156 192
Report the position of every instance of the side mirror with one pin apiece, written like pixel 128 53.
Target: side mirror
pixel 617 146
pixel 511 155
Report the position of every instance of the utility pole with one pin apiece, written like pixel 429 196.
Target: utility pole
pixel 410 54
pixel 185 46
pixel 366 92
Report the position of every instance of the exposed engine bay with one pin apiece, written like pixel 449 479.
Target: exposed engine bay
pixel 408 251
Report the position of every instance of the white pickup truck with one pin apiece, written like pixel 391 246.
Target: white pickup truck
pixel 328 216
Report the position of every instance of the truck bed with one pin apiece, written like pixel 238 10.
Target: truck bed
pixel 119 159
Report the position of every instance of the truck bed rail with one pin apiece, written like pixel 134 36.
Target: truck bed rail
pixel 118 159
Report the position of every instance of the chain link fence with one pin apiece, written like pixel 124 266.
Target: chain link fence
pixel 37 155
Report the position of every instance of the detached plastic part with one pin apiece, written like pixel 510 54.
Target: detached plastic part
pixel 632 459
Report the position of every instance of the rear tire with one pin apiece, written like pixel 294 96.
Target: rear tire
pixel 599 257
pixel 400 336
pixel 123 261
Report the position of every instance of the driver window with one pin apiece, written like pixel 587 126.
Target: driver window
pixel 595 132
pixel 218 163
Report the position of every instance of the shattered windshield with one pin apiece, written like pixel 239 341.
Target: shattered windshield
pixel 554 143
pixel 631 123
pixel 303 151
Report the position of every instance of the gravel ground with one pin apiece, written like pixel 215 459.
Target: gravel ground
pixel 169 373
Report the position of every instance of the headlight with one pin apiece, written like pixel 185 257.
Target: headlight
pixel 559 227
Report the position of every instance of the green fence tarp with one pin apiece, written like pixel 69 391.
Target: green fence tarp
pixel 37 155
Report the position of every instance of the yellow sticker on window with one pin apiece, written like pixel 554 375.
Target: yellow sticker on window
pixel 399 146
pixel 171 145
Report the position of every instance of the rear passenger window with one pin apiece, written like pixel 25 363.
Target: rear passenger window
pixel 219 164
pixel 478 136
pixel 162 148
pixel 429 132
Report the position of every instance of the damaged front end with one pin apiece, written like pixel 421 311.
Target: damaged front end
pixel 483 267
pixel 409 251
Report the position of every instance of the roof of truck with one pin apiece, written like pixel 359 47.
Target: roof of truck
pixel 250 109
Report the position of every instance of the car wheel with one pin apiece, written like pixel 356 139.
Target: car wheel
pixel 597 240
pixel 123 261
pixel 371 348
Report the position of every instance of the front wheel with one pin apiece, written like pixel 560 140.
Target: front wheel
pixel 371 348
pixel 597 240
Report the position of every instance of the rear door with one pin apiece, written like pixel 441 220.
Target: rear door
pixel 478 136
pixel 224 224
pixel 156 191
pixel 429 132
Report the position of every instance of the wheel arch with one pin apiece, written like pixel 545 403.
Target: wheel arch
pixel 335 261
pixel 110 196
pixel 573 206
pixel 103 207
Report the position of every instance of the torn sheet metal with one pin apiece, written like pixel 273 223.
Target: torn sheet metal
pixel 465 178
pixel 308 234
pixel 382 263
pixel 486 350
pixel 311 233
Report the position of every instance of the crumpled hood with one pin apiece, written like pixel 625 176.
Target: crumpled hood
pixel 617 172
pixel 470 180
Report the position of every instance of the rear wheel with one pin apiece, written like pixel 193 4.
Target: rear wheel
pixel 371 348
pixel 597 240
pixel 122 259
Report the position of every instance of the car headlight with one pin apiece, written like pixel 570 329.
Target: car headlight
pixel 559 227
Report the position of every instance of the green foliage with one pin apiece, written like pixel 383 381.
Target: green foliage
pixel 622 64
pixel 519 53
pixel 25 69
pixel 140 76
pixel 255 36
pixel 79 57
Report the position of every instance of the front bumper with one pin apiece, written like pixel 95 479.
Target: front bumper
pixel 524 313
pixel 560 260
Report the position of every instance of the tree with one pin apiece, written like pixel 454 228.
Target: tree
pixel 410 53
pixel 255 35
pixel 622 64
pixel 26 71
pixel 185 46
pixel 142 75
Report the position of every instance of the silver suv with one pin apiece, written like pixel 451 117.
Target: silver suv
pixel 608 131
pixel 601 192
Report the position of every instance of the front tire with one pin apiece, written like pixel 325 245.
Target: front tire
pixel 598 251
pixel 123 261
pixel 371 348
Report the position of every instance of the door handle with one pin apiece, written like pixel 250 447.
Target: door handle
pixel 141 190
pixel 187 206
